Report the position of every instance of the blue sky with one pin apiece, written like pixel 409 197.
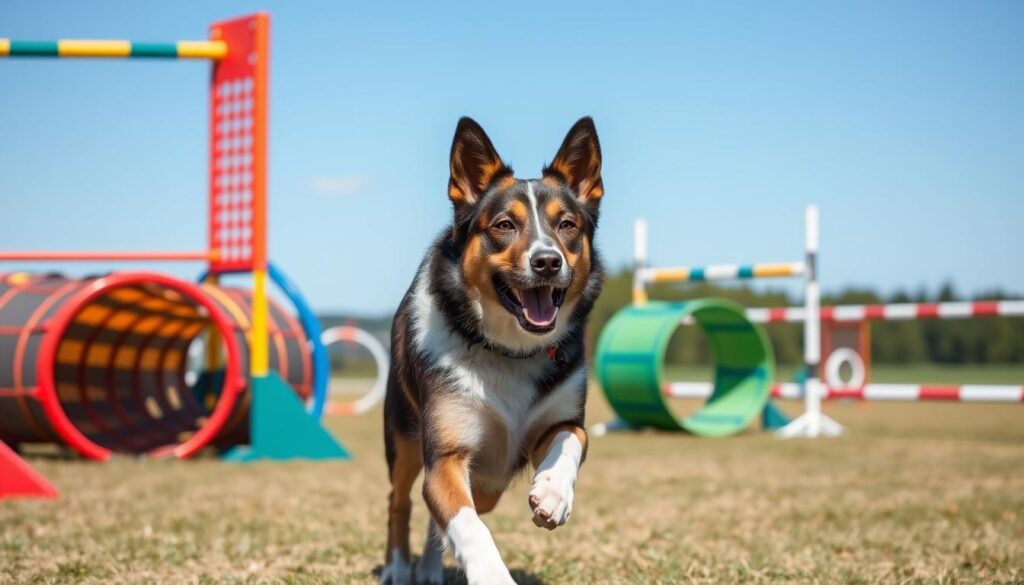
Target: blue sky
pixel 903 121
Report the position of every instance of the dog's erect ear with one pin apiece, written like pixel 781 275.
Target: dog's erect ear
pixel 578 162
pixel 475 164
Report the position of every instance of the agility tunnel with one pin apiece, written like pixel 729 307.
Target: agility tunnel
pixel 103 365
pixel 631 353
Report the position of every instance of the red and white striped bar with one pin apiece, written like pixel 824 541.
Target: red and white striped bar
pixel 895 312
pixel 872 392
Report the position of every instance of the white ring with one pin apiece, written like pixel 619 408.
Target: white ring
pixel 835 362
pixel 380 356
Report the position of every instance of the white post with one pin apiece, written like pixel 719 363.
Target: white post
pixel 812 308
pixel 812 422
pixel 639 260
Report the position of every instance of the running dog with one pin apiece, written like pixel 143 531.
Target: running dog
pixel 487 359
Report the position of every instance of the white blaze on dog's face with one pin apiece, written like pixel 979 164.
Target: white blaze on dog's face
pixel 526 244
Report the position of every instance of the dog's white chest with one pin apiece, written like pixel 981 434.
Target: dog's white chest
pixel 501 395
pixel 496 399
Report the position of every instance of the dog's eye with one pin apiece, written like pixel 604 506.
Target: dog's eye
pixel 566 225
pixel 505 225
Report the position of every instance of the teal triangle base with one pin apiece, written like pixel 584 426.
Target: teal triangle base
pixel 280 428
pixel 772 417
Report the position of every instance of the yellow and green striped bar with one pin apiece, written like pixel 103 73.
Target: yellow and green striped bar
pixel 115 49
pixel 721 272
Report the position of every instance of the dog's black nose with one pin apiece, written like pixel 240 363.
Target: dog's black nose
pixel 546 264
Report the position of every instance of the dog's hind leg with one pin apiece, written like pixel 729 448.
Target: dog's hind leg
pixel 405 460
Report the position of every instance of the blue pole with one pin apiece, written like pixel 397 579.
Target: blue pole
pixel 311 325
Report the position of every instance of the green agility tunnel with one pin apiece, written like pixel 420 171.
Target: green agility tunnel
pixel 631 353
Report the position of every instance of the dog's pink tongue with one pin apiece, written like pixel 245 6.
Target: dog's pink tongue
pixel 538 306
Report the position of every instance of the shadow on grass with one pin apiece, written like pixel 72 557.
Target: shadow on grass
pixel 454 576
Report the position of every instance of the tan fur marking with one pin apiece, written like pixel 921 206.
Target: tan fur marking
pixel 460 187
pixel 580 264
pixel 445 488
pixel 447 420
pixel 553 209
pixel 407 465
pixel 487 172
pixel 484 221
pixel 562 167
pixel 550 182
pixel 456 194
pixel 518 210
pixel 475 270
pixel 485 501
pixel 540 451
pixel 507 182
pixel 508 259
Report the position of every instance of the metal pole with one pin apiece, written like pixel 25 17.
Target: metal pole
pixel 812 325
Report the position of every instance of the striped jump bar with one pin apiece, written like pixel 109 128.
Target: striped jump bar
pixel 872 392
pixel 722 272
pixel 115 49
pixel 893 312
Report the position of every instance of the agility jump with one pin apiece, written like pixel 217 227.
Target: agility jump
pixel 102 364
pixel 631 349
pixel 846 341
pixel 842 333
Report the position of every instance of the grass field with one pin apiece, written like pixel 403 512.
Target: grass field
pixel 915 493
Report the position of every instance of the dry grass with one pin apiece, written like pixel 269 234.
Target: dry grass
pixel 917 493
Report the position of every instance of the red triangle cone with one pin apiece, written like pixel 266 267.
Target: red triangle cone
pixel 17 479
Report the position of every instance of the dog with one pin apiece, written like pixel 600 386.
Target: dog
pixel 487 367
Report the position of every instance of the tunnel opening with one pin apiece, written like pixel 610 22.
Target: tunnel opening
pixel 114 368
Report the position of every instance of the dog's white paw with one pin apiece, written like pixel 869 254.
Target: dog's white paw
pixel 488 573
pixel 397 572
pixel 551 498
pixel 475 550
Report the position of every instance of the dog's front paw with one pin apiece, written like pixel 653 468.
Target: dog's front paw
pixel 551 498
pixel 397 572
pixel 488 573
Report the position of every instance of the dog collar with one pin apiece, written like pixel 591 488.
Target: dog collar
pixel 553 353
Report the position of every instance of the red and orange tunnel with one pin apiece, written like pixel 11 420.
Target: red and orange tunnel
pixel 108 364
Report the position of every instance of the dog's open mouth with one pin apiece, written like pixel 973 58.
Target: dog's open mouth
pixel 536 308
